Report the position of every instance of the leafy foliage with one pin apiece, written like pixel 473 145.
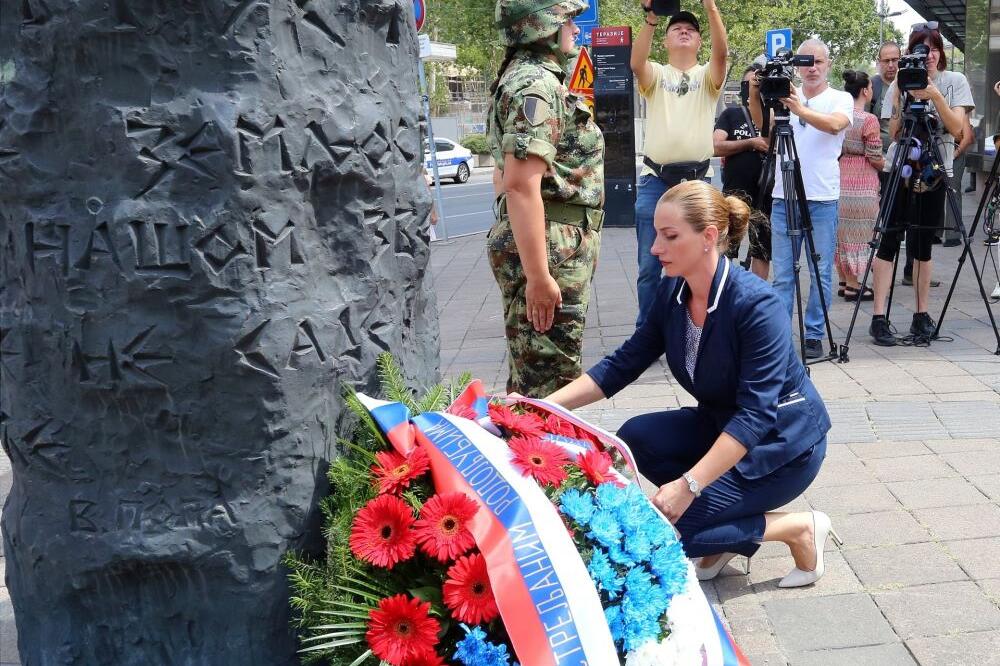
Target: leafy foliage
pixel 331 597
pixel 477 143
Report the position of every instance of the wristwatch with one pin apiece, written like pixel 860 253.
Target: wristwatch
pixel 693 485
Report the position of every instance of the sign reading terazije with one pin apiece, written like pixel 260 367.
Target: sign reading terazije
pixel 613 103
pixel 419 13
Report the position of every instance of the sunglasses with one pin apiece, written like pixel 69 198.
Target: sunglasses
pixel 683 88
pixel 921 27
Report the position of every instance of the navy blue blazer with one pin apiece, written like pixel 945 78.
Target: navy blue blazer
pixel 748 380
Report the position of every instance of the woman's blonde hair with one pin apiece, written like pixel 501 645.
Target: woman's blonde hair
pixel 702 206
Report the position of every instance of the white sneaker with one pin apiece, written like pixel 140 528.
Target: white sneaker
pixel 996 292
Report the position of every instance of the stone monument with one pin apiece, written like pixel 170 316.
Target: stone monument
pixel 212 219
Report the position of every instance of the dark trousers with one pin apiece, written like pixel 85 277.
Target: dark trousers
pixel 729 515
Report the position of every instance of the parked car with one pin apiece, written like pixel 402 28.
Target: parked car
pixel 453 160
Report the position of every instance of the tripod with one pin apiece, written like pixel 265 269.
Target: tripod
pixel 781 146
pixel 915 118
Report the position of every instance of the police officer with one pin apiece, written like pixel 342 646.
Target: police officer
pixel 544 244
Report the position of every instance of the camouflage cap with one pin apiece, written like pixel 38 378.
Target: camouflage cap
pixel 526 21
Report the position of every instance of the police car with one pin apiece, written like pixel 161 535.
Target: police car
pixel 453 160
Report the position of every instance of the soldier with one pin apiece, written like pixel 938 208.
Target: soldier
pixel 544 244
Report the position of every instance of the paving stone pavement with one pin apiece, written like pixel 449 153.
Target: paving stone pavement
pixel 912 476
pixel 911 480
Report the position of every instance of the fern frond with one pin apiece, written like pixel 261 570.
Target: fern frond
pixel 393 383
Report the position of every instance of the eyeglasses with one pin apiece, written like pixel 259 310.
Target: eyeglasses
pixel 683 88
pixel 921 27
pixel 802 123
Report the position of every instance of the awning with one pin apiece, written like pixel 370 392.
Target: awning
pixel 950 14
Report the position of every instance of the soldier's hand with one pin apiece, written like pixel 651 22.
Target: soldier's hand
pixel 759 144
pixel 543 296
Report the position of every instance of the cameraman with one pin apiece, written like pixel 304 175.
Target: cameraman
pixel 920 212
pixel 819 119
pixel 744 152
pixel 681 97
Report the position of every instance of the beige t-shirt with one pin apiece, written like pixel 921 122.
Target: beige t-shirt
pixel 680 114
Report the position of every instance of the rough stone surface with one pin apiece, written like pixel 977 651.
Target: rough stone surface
pixel 211 219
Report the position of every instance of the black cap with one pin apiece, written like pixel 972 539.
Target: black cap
pixel 684 17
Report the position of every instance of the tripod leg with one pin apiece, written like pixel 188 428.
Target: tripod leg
pixel 967 250
pixel 882 221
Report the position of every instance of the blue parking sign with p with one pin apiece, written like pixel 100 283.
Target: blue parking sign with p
pixel 587 20
pixel 778 39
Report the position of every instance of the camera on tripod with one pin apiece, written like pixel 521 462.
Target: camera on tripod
pixel 912 73
pixel 776 77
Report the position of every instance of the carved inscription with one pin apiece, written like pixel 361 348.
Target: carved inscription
pixel 165 151
pixel 218 248
pixel 266 240
pixel 132 362
pixel 149 516
pixel 160 248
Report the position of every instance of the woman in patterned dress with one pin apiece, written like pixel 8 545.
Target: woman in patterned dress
pixel 860 162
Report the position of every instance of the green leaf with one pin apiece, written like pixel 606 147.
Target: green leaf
pixel 428 593
pixel 333 644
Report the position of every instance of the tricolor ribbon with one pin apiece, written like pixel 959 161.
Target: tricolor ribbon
pixel 547 600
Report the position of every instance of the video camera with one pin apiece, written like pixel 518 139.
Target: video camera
pixel 912 73
pixel 776 77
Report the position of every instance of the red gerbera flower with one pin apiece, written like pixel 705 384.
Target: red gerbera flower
pixel 463 411
pixel 596 466
pixel 400 629
pixel 394 471
pixel 516 424
pixel 430 658
pixel 557 426
pixel 468 593
pixel 381 533
pixel 540 459
pixel 442 530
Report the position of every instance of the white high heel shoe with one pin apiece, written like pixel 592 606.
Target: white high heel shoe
pixel 821 530
pixel 708 573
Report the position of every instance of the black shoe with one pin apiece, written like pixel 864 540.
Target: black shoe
pixel 952 242
pixel 936 240
pixel 922 325
pixel 992 239
pixel 814 348
pixel 907 280
pixel 881 332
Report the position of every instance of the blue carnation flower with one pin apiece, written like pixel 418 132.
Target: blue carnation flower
pixel 604 529
pixel 619 555
pixel 610 496
pixel 670 566
pixel 577 505
pixel 613 616
pixel 475 650
pixel 603 573
pixel 638 546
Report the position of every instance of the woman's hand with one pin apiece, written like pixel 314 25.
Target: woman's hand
pixel 542 297
pixel 931 93
pixel 673 499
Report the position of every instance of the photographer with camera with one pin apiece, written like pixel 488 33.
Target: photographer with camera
pixel 819 116
pixel 920 200
pixel 744 152
pixel 681 97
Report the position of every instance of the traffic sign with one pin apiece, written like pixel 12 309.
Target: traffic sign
pixel 777 39
pixel 419 13
pixel 582 80
pixel 586 21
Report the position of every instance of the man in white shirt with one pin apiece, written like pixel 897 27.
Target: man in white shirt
pixel 819 117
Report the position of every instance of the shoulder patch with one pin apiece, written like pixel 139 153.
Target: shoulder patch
pixel 536 110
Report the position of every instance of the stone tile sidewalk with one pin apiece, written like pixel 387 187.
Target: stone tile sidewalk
pixel 912 477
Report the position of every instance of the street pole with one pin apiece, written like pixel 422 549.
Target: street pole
pixel 430 138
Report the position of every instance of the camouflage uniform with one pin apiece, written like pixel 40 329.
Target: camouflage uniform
pixel 533 113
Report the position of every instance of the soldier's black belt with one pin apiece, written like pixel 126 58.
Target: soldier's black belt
pixel 591 219
pixel 678 172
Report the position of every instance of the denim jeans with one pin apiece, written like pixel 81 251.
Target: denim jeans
pixel 784 252
pixel 650 189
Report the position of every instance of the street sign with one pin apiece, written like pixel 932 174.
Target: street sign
pixel 419 13
pixel 582 80
pixel 586 22
pixel 425 45
pixel 614 110
pixel 777 39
